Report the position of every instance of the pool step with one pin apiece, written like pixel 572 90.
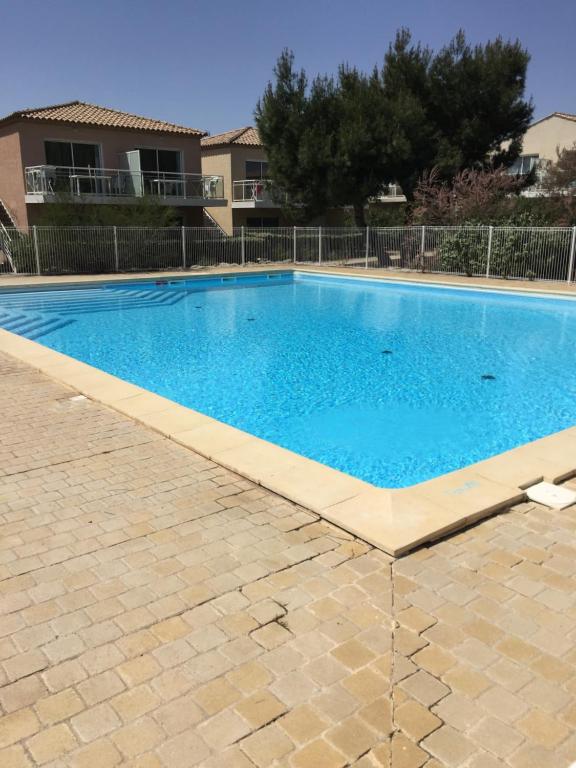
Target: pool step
pixel 31 326
pixel 92 300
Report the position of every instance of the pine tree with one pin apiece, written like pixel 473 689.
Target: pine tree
pixel 338 141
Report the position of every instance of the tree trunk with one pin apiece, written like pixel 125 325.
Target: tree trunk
pixel 359 218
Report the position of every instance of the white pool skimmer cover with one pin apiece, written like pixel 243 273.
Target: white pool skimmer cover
pixel 551 495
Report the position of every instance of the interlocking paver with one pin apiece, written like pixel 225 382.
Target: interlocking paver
pixel 158 610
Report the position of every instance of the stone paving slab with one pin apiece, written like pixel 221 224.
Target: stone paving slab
pixel 158 610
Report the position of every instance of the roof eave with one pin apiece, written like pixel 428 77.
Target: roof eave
pixel 18 117
pixel 560 115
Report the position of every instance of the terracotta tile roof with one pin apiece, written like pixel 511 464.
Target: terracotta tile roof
pixel 80 112
pixel 247 136
pixel 562 115
pixel 565 115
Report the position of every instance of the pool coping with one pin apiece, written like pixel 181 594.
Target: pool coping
pixel 394 520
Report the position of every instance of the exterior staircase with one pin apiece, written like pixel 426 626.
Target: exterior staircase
pixel 7 224
pixel 209 221
pixel 6 219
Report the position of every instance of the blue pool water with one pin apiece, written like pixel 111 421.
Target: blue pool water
pixel 383 381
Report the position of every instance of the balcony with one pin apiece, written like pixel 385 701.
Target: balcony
pixel 391 193
pixel 51 183
pixel 256 193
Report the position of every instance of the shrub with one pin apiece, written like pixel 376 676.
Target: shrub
pixel 464 251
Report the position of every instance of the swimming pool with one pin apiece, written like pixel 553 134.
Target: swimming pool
pixel 393 383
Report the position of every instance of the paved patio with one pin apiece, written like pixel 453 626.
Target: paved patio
pixel 158 610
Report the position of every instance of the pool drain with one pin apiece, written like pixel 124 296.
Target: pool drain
pixel 488 377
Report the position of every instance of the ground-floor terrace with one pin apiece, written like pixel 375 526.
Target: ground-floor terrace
pixel 158 610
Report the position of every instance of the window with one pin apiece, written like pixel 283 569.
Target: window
pixel 262 221
pixel 72 154
pixel 523 165
pixel 256 169
pixel 159 161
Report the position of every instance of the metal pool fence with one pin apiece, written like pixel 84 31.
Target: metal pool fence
pixel 533 253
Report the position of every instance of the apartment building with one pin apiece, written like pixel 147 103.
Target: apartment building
pixel 91 155
pixel 540 145
pixel 239 156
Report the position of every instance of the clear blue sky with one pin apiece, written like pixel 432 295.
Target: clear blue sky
pixel 205 64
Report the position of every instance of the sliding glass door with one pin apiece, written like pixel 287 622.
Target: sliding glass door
pixel 161 171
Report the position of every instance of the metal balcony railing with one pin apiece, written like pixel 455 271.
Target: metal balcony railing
pixel 256 190
pixel 114 182
pixel 390 192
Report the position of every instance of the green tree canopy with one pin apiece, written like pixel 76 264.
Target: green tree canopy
pixel 338 140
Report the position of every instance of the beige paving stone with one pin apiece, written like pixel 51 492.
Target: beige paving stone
pixel 233 757
pixel 484 760
pixel 449 746
pixel 60 706
pixel 467 681
pixel 52 744
pixel 545 695
pixel 406 754
pixel 267 746
pixel 365 685
pixel 517 649
pixel 303 724
pixel 25 664
pixel 249 677
pixel 184 750
pixel 22 693
pixel 14 757
pixel 543 729
pixel 95 722
pixel 318 754
pixel 496 737
pixel 260 708
pixel 353 654
pixel 378 714
pixel 135 702
pixel 178 715
pixel 64 675
pixel 139 670
pixel 553 669
pixel 459 712
pixel 416 720
pixel 434 660
pixel 170 629
pixel 216 696
pixel 140 736
pixel 407 642
pixel 533 756
pixel 271 636
pixel 509 674
pixel 352 737
pixel 223 729
pixel 416 619
pixel 425 688
pixel 17 726
pixel 503 704
pixel 100 687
